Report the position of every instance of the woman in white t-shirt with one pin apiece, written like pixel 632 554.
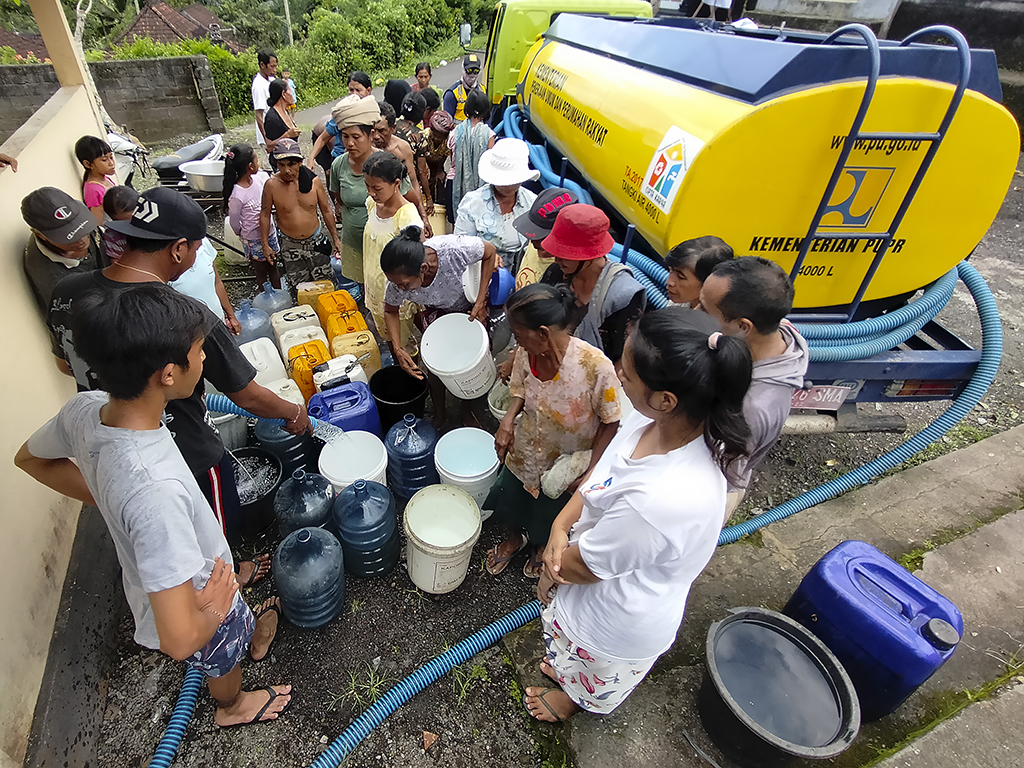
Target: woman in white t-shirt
pixel 624 551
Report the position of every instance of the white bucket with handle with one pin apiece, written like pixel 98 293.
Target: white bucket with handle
pixel 457 351
pixel 442 524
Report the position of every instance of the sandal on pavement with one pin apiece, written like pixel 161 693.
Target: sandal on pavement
pixel 273 695
pixel 255 577
pixel 501 563
pixel 533 568
pixel 256 617
pixel 544 702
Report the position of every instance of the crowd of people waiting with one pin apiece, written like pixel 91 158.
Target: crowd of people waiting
pixel 630 438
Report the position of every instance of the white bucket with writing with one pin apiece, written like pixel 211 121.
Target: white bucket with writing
pixel 442 524
pixel 457 351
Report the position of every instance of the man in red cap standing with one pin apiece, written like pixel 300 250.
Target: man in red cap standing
pixel 609 298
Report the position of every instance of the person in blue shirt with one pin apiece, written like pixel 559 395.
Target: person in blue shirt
pixel 286 75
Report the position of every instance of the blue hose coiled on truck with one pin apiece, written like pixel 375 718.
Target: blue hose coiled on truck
pixel 167 748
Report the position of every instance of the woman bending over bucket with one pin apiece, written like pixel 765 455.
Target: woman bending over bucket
pixel 623 553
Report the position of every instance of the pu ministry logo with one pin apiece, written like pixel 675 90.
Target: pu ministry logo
pixel 856 197
pixel 669 164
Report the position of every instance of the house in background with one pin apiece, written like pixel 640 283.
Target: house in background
pixel 23 43
pixel 164 24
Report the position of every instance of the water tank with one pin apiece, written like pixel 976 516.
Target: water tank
pixel 410 445
pixel 304 500
pixel 309 571
pixel 364 519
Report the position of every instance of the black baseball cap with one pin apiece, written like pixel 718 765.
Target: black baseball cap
pixel 537 222
pixel 471 60
pixel 57 216
pixel 164 214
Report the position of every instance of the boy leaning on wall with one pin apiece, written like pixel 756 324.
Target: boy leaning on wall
pixel 176 564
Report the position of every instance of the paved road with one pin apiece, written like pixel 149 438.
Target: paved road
pixel 442 78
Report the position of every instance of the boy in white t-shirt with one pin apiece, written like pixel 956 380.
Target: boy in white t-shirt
pixel 175 561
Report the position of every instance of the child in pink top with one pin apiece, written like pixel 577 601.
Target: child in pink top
pixel 243 195
pixel 97 158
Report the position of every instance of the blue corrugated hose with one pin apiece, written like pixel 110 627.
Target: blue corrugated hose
pixel 167 748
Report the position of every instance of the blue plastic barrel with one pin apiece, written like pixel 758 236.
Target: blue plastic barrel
pixel 364 519
pixel 889 629
pixel 309 571
pixel 304 500
pixel 294 451
pixel 272 299
pixel 348 407
pixel 410 445
pixel 255 324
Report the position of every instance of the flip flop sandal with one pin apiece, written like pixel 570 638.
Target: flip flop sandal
pixel 273 695
pixel 501 563
pixel 255 577
pixel 276 609
pixel 533 567
pixel 558 717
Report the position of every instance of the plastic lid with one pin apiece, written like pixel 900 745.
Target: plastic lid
pixel 941 634
pixel 299 475
pixel 409 419
pixel 304 535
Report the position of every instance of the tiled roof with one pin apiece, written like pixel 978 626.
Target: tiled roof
pixel 164 24
pixel 23 43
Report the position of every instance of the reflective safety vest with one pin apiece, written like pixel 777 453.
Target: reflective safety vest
pixel 459 90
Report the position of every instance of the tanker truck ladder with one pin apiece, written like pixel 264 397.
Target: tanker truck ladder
pixel 857 136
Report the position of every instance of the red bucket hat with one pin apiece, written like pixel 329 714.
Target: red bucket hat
pixel 580 234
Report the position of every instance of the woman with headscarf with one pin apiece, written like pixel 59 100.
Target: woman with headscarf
pixel 454 101
pixel 468 142
pixel 358 85
pixel 439 158
pixel 491 210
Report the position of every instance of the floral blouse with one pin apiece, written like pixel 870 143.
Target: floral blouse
pixel 480 214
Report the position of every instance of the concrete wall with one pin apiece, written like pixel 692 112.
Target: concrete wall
pixel 38 525
pixel 155 98
pixel 846 10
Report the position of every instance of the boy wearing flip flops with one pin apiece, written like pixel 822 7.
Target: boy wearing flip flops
pixel 176 564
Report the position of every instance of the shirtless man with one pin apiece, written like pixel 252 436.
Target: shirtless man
pixel 383 137
pixel 295 193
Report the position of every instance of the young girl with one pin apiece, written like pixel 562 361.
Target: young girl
pixel 689 265
pixel 243 193
pixel 97 158
pixel 388 214
pixel 118 204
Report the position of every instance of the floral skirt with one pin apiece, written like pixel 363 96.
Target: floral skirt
pixel 594 683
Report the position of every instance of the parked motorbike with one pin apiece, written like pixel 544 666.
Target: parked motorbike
pixel 129 155
pixel 168 168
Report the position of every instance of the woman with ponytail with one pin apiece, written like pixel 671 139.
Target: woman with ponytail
pixel 624 551
pixel 564 412
pixel 243 193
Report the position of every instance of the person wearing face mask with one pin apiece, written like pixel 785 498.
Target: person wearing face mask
pixel 62 241
pixel 454 100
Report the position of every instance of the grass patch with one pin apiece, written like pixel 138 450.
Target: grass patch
pixel 464 677
pixel 365 686
pixel 960 436
pixel 914 559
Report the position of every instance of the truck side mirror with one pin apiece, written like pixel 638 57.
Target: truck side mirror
pixel 465 34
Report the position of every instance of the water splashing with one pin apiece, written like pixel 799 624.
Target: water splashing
pixel 328 433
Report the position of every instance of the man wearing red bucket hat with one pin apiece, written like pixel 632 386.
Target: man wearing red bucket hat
pixel 609 298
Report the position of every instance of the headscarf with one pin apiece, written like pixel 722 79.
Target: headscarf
pixel 394 92
pixel 442 122
pixel 469 80
pixel 353 110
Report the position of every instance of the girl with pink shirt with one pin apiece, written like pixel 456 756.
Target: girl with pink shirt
pixel 243 194
pixel 97 158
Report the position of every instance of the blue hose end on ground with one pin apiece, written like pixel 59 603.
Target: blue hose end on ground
pixel 168 745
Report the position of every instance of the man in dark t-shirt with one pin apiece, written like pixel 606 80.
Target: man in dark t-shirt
pixel 163 236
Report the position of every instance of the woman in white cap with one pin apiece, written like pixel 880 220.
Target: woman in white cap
pixel 490 211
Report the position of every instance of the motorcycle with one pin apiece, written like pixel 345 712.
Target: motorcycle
pixel 129 155
pixel 168 167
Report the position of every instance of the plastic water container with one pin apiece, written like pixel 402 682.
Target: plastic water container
pixel 255 323
pixel 498 399
pixel 889 629
pixel 348 407
pixel 466 459
pixel 302 360
pixel 295 337
pixel 338 371
pixel 309 292
pixel 397 393
pixel 410 446
pixel 458 352
pixel 309 571
pixel 233 430
pixel 265 358
pixel 256 483
pixel 332 303
pixel 341 323
pixel 272 300
pixel 358 344
pixel 356 456
pixel 364 519
pixel 442 523
pixel 342 283
pixel 304 500
pixel 288 390
pixel 294 451
pixel 295 317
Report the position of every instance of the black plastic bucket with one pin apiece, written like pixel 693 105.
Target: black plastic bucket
pixel 257 513
pixel 397 393
pixel 773 692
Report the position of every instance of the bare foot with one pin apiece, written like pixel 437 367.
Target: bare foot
pixel 549 705
pixel 499 556
pixel 252 571
pixel 267 617
pixel 247 706
pixel 548 670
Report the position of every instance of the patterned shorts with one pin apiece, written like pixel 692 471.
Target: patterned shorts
pixel 306 260
pixel 596 684
pixel 229 643
pixel 254 248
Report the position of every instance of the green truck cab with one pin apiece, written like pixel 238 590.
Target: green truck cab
pixel 516 24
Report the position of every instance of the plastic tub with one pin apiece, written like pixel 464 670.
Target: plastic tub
pixel 204 175
pixel 356 456
pixel 466 458
pixel 442 523
pixel 773 692
pixel 257 513
pixel 498 399
pixel 397 393
pixel 458 352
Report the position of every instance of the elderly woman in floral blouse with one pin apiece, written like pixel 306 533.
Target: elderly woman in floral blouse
pixel 489 212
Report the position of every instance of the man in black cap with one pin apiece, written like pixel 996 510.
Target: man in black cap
pixel 535 225
pixel 163 236
pixel 62 241
pixel 455 97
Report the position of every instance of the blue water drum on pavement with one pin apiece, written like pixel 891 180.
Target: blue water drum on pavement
pixel 348 407
pixel 364 519
pixel 305 500
pixel 294 451
pixel 309 570
pixel 410 445
pixel 889 629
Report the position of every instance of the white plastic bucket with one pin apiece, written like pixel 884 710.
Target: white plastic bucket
pixel 442 524
pixel 265 358
pixel 356 456
pixel 466 459
pixel 457 351
pixel 498 399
